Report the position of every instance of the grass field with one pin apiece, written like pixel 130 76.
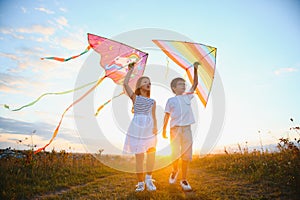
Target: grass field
pixel 61 175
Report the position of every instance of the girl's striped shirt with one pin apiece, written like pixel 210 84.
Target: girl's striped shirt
pixel 143 105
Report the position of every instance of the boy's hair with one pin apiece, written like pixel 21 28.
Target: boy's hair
pixel 138 86
pixel 174 83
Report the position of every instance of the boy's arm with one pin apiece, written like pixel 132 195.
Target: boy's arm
pixel 195 83
pixel 126 81
pixel 154 118
pixel 166 120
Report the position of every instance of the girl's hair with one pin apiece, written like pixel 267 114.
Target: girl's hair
pixel 138 86
pixel 138 89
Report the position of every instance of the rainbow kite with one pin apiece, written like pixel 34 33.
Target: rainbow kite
pixel 115 58
pixel 185 54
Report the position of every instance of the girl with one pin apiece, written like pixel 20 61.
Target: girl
pixel 141 134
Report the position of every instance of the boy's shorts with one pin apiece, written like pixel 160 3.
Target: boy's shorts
pixel 181 142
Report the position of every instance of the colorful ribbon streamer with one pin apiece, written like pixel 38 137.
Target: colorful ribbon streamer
pixel 49 93
pixel 75 102
pixel 107 102
pixel 67 59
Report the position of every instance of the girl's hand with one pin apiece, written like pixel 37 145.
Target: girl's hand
pixel 164 134
pixel 131 65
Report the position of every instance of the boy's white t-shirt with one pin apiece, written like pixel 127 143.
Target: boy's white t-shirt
pixel 180 110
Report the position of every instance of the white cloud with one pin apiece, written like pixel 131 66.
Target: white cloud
pixel 6 89
pixel 44 10
pixel 10 31
pixel 285 70
pixel 30 51
pixel 9 55
pixel 63 9
pixel 11 84
pixel 24 10
pixel 20 58
pixel 40 39
pixel 68 144
pixel 28 60
pixel 13 130
pixel 71 43
pixel 37 29
pixel 6 30
pixel 62 21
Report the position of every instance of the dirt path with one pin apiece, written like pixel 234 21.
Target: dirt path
pixel 70 189
pixel 206 185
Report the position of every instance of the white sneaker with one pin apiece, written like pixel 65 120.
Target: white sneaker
pixel 149 183
pixel 140 187
pixel 185 185
pixel 173 177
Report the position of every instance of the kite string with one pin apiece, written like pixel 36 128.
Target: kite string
pixel 167 70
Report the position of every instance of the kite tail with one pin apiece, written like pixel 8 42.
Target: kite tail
pixel 49 93
pixel 5 106
pixel 107 102
pixel 67 59
pixel 75 102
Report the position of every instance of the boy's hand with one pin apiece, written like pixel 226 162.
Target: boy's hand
pixel 164 134
pixel 196 65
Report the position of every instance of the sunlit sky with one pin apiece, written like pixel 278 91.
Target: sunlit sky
pixel 258 61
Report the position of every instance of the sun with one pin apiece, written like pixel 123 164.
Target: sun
pixel 163 147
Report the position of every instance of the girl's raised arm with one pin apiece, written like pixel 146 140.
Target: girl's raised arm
pixel 126 81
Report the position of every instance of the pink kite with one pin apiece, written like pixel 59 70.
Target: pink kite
pixel 115 58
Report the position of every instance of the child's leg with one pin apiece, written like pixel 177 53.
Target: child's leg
pixel 184 183
pixel 175 146
pixel 150 160
pixel 150 165
pixel 175 165
pixel 186 148
pixel 139 159
pixel 185 165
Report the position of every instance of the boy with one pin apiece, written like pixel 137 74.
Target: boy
pixel 179 108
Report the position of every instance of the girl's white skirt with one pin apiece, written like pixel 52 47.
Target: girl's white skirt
pixel 140 135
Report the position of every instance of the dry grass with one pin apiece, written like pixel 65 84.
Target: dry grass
pixel 80 176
